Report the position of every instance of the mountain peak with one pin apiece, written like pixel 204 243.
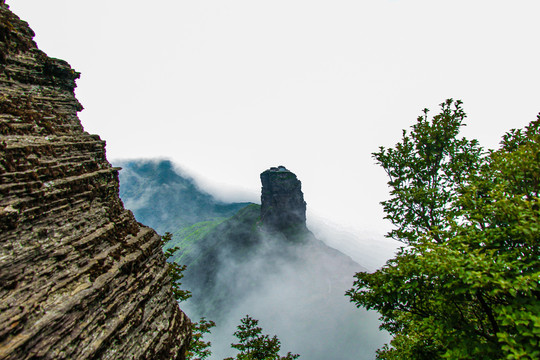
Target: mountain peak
pixel 282 202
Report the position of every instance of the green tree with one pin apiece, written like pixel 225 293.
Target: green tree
pixel 253 345
pixel 198 348
pixel 176 271
pixel 467 284
pixel 425 170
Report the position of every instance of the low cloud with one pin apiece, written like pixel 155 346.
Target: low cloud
pixel 297 293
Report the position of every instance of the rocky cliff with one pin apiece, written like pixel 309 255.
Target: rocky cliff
pixel 282 202
pixel 79 277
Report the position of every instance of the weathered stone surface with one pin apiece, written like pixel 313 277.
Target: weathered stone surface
pixel 282 202
pixel 79 277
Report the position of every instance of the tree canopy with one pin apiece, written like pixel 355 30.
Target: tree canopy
pixel 198 348
pixel 253 345
pixel 175 270
pixel 466 285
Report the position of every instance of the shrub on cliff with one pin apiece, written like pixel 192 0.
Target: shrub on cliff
pixel 175 270
pixel 467 284
pixel 198 348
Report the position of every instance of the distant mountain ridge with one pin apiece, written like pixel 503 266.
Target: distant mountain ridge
pixel 166 200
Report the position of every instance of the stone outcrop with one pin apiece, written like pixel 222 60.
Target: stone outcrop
pixel 282 202
pixel 79 277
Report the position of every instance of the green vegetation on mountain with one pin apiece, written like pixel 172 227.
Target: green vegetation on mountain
pixel 207 246
pixel 188 239
pixel 197 239
pixel 201 246
pixel 467 286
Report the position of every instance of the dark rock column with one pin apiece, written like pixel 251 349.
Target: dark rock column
pixel 282 202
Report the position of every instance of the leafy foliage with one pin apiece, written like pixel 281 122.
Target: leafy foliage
pixel 198 348
pixel 425 170
pixel 467 286
pixel 253 345
pixel 176 271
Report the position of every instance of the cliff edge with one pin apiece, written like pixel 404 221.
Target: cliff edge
pixel 79 277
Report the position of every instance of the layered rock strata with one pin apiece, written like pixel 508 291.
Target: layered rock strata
pixel 282 202
pixel 79 277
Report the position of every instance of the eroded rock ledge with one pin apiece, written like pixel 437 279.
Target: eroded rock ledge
pixel 79 277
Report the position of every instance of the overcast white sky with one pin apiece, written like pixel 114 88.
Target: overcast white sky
pixel 229 88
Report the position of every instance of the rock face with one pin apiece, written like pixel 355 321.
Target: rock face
pixel 79 277
pixel 282 202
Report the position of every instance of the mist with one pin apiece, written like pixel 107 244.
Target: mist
pixel 367 248
pixel 297 292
